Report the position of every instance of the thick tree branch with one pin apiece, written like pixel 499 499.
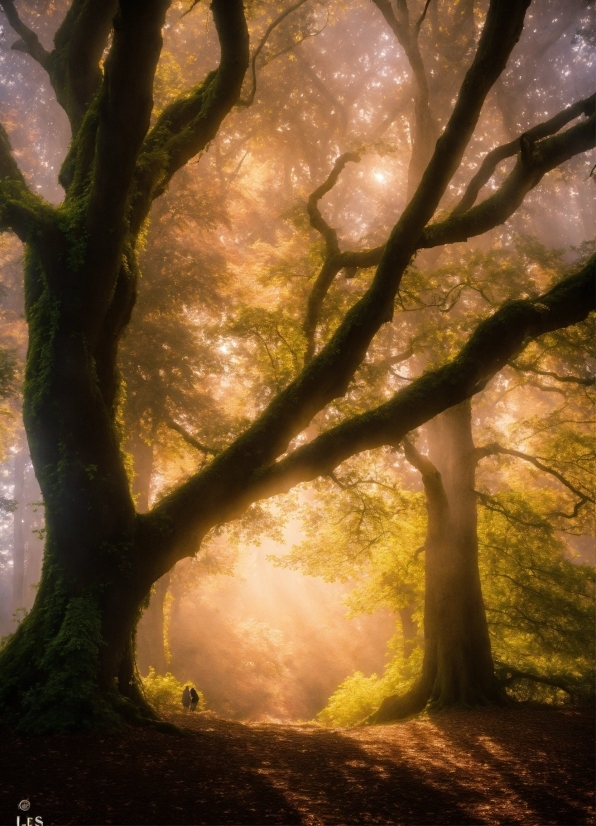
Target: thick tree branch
pixel 494 211
pixel 530 168
pixel 187 125
pixel 328 375
pixel 74 64
pixel 508 150
pixel 422 463
pixel 509 330
pixel 495 341
pixel 79 45
pixel 124 110
pixel 248 101
pixel 29 41
pixel 21 210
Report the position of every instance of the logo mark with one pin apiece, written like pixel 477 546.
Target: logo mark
pixel 24 805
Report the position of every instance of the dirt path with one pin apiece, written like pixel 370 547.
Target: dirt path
pixel 517 766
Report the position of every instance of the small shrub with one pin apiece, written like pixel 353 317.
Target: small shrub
pixel 164 691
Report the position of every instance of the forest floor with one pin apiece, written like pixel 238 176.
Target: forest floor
pixel 512 766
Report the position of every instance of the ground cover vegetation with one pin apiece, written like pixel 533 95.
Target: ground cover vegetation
pixel 338 248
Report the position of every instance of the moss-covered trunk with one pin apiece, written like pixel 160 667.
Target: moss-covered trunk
pixel 457 667
pixel 69 662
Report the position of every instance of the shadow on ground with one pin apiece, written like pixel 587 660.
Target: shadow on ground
pixel 512 766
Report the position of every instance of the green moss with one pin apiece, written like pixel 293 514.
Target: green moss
pixel 75 174
pixel 117 556
pixel 49 666
pixel 72 221
pixel 43 315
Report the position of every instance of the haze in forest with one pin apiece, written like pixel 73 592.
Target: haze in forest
pixel 307 597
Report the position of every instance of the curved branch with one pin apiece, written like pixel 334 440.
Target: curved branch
pixel 515 674
pixel 225 481
pixel 502 204
pixel 420 20
pixel 29 41
pixel 332 264
pixel 123 115
pixel 576 509
pixel 222 492
pixel 312 206
pixel 530 168
pixel 21 211
pixel 508 331
pixel 187 125
pixel 584 382
pixel 422 463
pixel 496 449
pixel 492 504
pixel 508 150
pixel 248 101
pixel 189 439
pixel 396 359
pixel 75 65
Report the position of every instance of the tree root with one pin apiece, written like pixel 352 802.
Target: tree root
pixel 140 713
pixel 399 707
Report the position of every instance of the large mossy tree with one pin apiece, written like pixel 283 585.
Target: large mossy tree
pixel 71 662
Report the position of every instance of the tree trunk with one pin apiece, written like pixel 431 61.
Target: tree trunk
pixel 457 667
pixel 69 664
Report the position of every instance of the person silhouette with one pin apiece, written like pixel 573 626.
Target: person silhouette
pixel 186 698
pixel 194 699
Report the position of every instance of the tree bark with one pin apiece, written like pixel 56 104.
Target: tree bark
pixel 457 666
pixel 70 664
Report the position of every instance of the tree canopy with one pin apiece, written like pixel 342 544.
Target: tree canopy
pixel 283 238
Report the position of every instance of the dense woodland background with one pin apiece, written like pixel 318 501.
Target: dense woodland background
pixel 312 603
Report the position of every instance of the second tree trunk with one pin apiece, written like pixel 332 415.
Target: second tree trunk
pixel 457 667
